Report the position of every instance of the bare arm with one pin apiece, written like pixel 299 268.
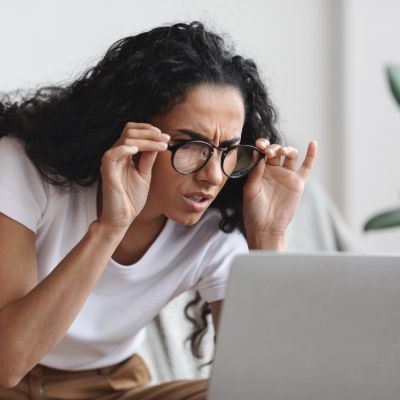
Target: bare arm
pixel 34 317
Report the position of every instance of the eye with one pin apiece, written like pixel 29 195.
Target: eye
pixel 204 153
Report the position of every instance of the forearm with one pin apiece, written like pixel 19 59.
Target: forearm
pixel 32 325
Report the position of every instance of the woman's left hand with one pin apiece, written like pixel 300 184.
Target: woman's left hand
pixel 272 193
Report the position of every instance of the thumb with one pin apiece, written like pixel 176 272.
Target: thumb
pixel 146 163
pixel 254 178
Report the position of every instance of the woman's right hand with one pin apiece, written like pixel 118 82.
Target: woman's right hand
pixel 125 183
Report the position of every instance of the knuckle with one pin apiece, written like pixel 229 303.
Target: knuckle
pixel 131 131
pixel 106 155
pixel 127 127
pixel 104 160
pixel 128 141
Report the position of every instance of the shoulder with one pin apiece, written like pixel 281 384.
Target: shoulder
pixel 16 168
pixel 13 155
pixel 11 147
pixel 23 192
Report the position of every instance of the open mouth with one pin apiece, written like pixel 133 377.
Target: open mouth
pixel 197 199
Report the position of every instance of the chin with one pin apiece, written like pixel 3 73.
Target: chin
pixel 185 218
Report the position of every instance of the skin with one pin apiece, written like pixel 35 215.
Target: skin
pixel 271 194
pixel 218 114
pixel 129 212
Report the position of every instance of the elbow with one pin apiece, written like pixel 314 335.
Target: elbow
pixel 10 376
pixel 9 381
pixel 14 363
pixel 10 372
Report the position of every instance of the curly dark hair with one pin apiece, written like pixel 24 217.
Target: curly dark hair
pixel 67 129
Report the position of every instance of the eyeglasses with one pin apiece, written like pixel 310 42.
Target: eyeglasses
pixel 189 156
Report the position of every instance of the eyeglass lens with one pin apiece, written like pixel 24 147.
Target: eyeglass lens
pixel 238 161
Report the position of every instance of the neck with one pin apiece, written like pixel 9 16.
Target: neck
pixel 138 239
pixel 151 225
pixel 140 235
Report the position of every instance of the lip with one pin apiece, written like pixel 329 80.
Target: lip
pixel 194 205
pixel 206 196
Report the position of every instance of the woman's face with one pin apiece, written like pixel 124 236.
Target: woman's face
pixel 211 113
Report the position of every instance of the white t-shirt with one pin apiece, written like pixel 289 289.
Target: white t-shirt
pixel 109 327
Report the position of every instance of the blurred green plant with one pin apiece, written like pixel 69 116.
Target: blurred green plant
pixel 391 218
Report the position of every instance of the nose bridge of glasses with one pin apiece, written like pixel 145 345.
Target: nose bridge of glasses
pixel 220 150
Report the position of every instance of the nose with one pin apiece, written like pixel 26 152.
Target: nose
pixel 211 172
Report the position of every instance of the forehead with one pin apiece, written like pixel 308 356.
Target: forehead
pixel 214 111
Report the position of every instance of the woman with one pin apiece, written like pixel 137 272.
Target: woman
pixel 121 191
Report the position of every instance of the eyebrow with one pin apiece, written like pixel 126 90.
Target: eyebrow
pixel 199 136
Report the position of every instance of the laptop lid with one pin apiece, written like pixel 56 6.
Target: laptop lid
pixel 307 327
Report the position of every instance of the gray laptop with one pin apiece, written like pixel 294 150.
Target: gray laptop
pixel 309 327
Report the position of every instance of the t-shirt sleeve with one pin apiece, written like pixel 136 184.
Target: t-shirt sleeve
pixel 217 263
pixel 23 193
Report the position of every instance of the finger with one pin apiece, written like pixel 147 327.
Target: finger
pixel 146 145
pixel 270 151
pixel 273 155
pixel 118 154
pixel 291 156
pixel 255 176
pixel 262 143
pixel 149 134
pixel 140 125
pixel 309 159
pixel 146 162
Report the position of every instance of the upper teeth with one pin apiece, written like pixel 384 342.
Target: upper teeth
pixel 196 198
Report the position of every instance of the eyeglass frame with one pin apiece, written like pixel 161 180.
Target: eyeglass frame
pixel 173 148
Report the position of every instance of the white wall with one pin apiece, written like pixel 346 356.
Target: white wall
pixel 50 41
pixel 322 59
pixel 371 117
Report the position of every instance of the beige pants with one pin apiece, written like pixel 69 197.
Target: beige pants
pixel 125 381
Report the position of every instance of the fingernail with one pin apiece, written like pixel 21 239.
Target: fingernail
pixel 163 145
pixel 134 149
pixel 165 137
